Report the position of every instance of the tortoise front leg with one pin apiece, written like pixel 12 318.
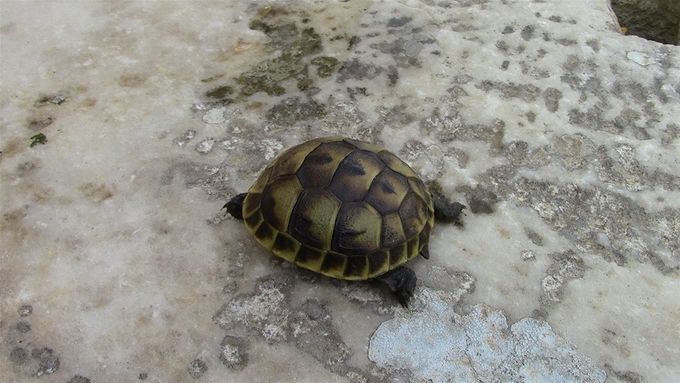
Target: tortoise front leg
pixel 445 211
pixel 235 206
pixel 402 282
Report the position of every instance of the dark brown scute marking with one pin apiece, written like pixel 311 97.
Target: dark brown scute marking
pixel 397 254
pixel 307 255
pixel 376 261
pixel 299 224
pixel 320 165
pixel 396 164
pixel 254 219
pixel 392 232
pixel 267 207
pixel 386 187
pixel 284 243
pixel 333 261
pixel 313 217
pixel 320 159
pixel 353 167
pixel 290 161
pixel 356 266
pixel 252 203
pixel 354 231
pixel 412 247
pixel 354 175
pixel 387 191
pixel 409 214
pixel 278 199
pixel 264 231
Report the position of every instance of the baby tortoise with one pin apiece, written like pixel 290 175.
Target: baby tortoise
pixel 346 209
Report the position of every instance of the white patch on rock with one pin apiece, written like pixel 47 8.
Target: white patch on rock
pixel 205 146
pixel 215 115
pixel 439 345
pixel 639 58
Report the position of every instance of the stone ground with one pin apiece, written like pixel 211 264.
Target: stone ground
pixel 125 126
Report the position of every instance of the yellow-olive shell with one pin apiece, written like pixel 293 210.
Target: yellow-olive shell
pixel 344 208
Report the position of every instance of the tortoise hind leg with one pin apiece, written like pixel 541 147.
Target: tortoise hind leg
pixel 402 282
pixel 235 206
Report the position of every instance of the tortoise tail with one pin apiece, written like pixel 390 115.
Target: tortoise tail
pixel 235 206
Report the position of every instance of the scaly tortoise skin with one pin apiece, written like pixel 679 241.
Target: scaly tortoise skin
pixel 343 208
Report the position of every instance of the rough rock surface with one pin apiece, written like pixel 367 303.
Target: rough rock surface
pixel 124 127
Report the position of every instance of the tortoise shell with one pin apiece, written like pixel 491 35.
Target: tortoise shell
pixel 344 208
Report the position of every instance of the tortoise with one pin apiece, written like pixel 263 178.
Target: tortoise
pixel 346 209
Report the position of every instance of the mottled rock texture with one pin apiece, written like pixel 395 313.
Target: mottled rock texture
pixel 125 127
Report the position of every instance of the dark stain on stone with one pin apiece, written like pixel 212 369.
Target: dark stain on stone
pixel 626 376
pixel 132 80
pixel 23 327
pixel 531 116
pixel 528 32
pixel 18 355
pixel 142 376
pixel 505 65
pixel 508 29
pixel 79 379
pixel 556 19
pixel 48 362
pixel 517 152
pixel 525 92
pixel 267 75
pixel 594 45
pixel 358 70
pixel 502 46
pixel 481 201
pixel 397 22
pixel 353 92
pixel 220 92
pixel 533 236
pixel 552 98
pixel 40 123
pixel 293 109
pixel 97 193
pixel 353 41
pixel 325 65
pixel 392 75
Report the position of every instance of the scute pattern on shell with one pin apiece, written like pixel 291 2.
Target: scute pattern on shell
pixel 344 208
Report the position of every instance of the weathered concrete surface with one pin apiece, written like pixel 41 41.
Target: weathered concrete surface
pixel 116 263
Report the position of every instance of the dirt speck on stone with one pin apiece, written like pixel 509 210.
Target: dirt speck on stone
pixel 48 362
pixel 197 368
pixel 79 379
